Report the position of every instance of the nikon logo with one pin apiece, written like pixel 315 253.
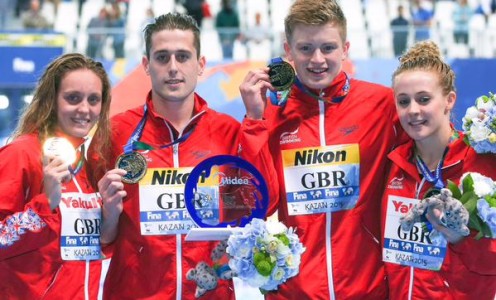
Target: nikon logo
pixel 172 177
pixel 314 156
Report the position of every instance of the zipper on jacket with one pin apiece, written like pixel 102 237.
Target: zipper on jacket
pixel 103 274
pixel 418 188
pixel 330 276
pixel 86 279
pixel 179 252
pixel 179 270
pixel 410 286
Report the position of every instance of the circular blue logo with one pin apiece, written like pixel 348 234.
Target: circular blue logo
pixel 225 190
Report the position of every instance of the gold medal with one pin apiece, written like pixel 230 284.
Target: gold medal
pixel 135 165
pixel 60 147
pixel 281 75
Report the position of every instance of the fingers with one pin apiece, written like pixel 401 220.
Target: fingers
pixel 112 176
pixel 256 80
pixel 56 169
pixel 434 216
pixel 111 184
pixel 253 92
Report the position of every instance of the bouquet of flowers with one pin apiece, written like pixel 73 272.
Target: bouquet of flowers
pixel 264 254
pixel 479 124
pixel 478 194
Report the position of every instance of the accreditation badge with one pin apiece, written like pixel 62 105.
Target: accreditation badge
pixel 80 229
pixel 135 165
pixel 413 248
pixel 161 202
pixel 321 179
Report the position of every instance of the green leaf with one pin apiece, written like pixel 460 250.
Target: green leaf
pixel 491 201
pixel 468 196
pixel 468 184
pixel 474 223
pixel 263 292
pixel 457 194
pixel 264 268
pixel 485 229
pixel 283 238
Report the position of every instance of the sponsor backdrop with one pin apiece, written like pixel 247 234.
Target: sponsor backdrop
pixel 23 58
pixel 219 85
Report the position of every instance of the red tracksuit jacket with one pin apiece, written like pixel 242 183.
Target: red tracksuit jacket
pixel 155 266
pixel 343 255
pixel 30 257
pixel 469 268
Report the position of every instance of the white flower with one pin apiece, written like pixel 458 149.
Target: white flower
pixel 279 273
pixel 479 131
pixel 483 186
pixel 276 227
pixel 484 103
pixel 472 113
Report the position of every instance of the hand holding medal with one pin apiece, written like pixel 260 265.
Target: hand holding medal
pixel 58 155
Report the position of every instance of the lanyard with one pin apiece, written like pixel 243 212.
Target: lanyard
pixel 80 162
pixel 436 179
pixel 338 99
pixel 134 144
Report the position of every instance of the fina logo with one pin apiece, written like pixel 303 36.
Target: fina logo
pixel 20 65
pixel 226 180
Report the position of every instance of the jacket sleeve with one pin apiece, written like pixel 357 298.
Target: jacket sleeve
pixel 254 147
pixel 26 222
pixel 479 256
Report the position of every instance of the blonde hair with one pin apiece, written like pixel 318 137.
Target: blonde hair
pixel 314 12
pixel 426 56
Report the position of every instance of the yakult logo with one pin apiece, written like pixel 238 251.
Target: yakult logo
pixel 290 137
pixel 396 183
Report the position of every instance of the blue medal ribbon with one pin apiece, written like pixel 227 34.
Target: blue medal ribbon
pixel 134 141
pixel 137 133
pixel 337 99
pixel 436 179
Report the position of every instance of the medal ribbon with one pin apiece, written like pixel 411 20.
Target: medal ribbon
pixel 80 162
pixel 337 99
pixel 137 133
pixel 435 178
pixel 134 144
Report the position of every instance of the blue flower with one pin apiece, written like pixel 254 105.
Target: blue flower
pixel 487 214
pixel 479 124
pixel 264 255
